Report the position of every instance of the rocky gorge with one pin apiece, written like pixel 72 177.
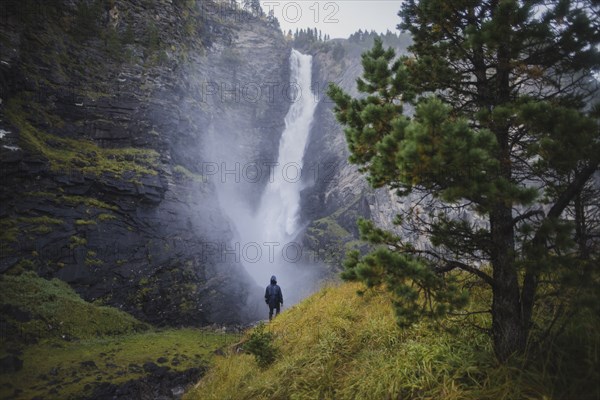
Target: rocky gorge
pixel 104 106
pixel 119 123
pixel 108 181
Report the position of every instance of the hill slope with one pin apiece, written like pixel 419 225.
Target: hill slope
pixel 337 345
pixel 55 345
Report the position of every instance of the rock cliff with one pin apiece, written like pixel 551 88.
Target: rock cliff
pixel 339 194
pixel 105 107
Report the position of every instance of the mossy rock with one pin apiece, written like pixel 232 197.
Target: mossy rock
pixel 57 312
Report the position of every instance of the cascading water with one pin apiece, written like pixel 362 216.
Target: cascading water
pixel 280 204
pixel 271 228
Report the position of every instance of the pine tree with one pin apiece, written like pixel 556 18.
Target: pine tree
pixel 502 141
pixel 271 17
pixel 253 6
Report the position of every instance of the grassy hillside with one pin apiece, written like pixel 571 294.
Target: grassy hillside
pixel 37 309
pixel 337 345
pixel 61 347
pixel 72 369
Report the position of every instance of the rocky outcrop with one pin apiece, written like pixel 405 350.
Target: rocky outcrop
pixel 336 197
pixel 160 383
pixel 105 111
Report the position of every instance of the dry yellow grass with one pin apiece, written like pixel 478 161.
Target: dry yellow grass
pixel 338 345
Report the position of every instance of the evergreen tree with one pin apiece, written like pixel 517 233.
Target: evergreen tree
pixel 271 17
pixel 502 141
pixel 254 7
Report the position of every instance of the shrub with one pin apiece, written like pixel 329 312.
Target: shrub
pixel 260 344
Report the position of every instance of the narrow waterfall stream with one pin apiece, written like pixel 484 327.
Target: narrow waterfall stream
pixel 280 203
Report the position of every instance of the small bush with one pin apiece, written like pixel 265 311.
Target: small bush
pixel 260 344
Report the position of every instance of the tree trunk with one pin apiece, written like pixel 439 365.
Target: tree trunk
pixel 508 330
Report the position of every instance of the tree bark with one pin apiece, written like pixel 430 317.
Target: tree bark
pixel 507 326
pixel 508 331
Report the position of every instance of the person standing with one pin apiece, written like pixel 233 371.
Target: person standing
pixel 273 297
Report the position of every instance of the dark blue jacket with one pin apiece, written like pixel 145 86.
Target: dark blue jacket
pixel 273 295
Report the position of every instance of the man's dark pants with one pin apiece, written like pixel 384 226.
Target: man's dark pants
pixel 276 308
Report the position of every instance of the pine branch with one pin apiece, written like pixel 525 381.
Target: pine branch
pixel 527 215
pixel 530 281
pixel 451 265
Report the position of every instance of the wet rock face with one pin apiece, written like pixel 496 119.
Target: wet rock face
pixel 339 194
pixel 105 109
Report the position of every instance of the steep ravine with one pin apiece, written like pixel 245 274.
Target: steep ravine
pixel 104 107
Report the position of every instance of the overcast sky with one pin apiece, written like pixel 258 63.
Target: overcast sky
pixel 338 18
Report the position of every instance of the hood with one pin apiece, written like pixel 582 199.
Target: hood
pixel 273 279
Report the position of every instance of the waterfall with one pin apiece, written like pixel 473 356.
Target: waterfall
pixel 280 204
pixel 272 226
pixel 275 223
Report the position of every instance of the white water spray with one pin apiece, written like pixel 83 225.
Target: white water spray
pixel 274 225
pixel 280 204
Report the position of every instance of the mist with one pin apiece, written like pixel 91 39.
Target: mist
pixel 261 197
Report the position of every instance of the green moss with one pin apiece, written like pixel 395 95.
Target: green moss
pixel 8 231
pixel 93 262
pixel 47 195
pixel 22 266
pixel 65 154
pixel 73 200
pixel 184 172
pixel 56 310
pixel 42 229
pixel 106 217
pixel 331 228
pixel 12 228
pixel 85 222
pixel 77 241
pixel 87 18
pixel 70 331
pixel 117 359
pixel 44 220
pixel 353 245
pixel 115 45
pixel 329 239
pixel 88 201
